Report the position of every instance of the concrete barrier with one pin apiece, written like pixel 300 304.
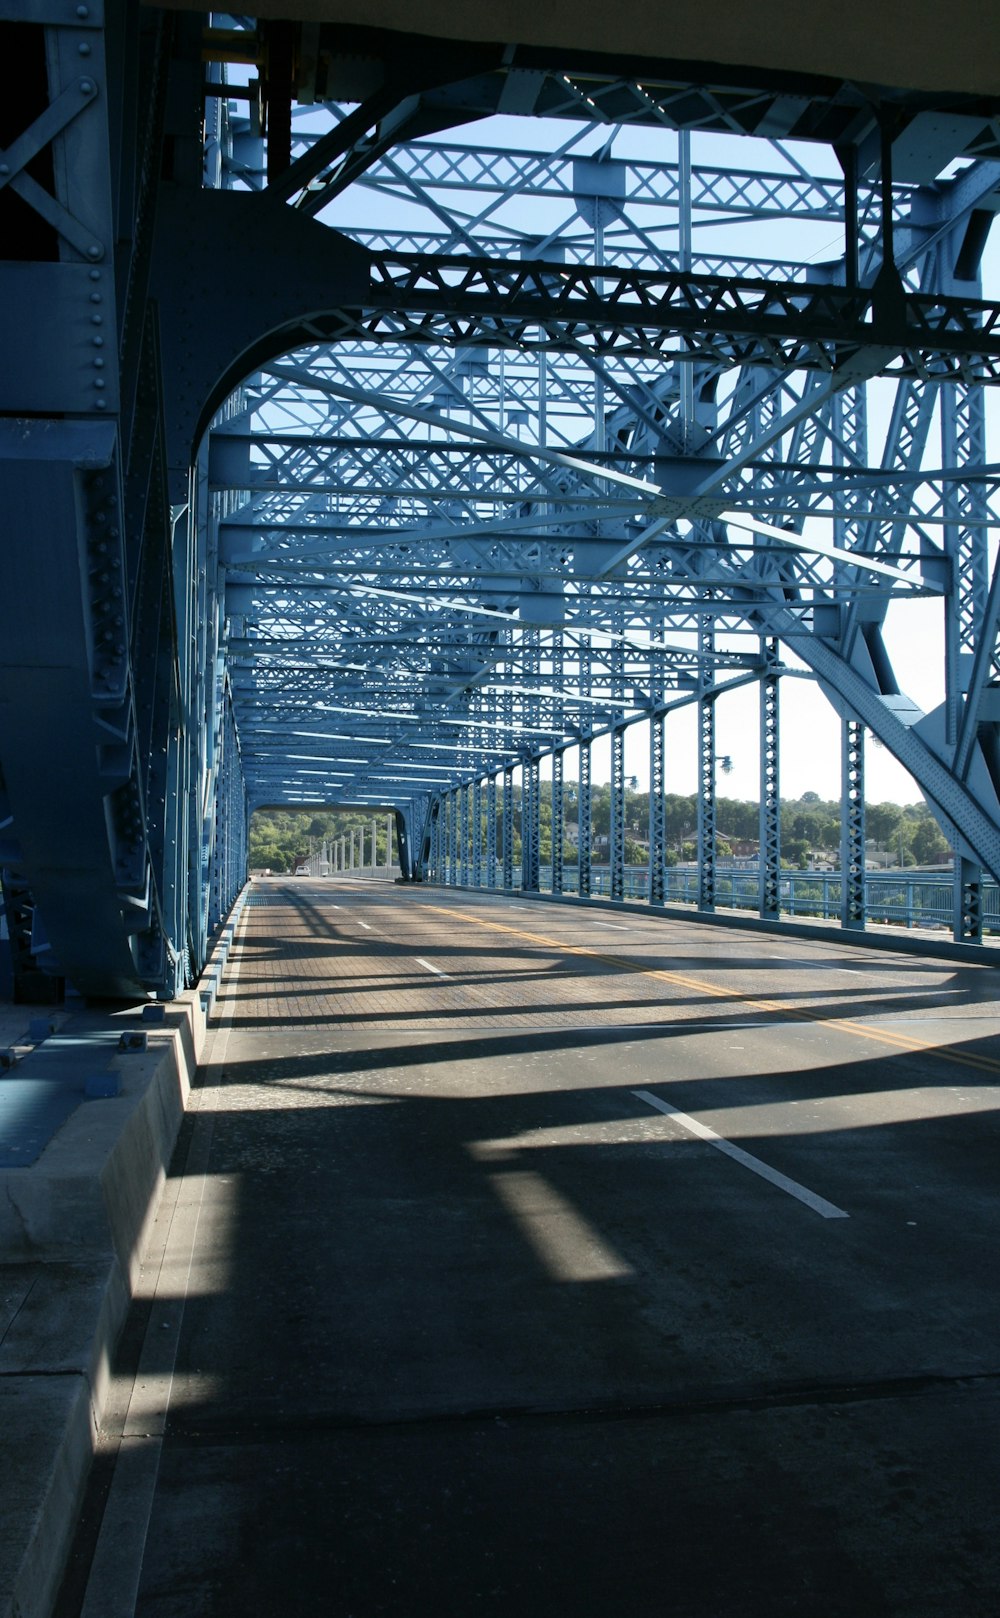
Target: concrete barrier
pixel 73 1229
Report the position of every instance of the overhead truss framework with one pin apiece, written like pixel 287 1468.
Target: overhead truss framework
pixel 578 431
pixel 627 388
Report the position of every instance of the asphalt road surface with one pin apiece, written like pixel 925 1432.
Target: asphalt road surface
pixel 519 1260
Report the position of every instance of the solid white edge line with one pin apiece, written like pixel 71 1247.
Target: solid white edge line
pixel 116 1570
pixel 429 968
pixel 826 1210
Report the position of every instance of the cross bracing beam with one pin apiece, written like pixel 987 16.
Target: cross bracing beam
pixel 637 255
pixel 297 463
pixel 670 315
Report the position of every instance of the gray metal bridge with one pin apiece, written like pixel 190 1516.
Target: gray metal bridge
pixel 385 416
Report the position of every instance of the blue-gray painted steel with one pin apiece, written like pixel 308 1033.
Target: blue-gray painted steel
pixel 345 508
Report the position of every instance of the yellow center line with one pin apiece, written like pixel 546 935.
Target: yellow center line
pixel 905 1042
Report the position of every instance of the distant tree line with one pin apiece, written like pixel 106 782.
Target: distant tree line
pixel 809 825
pixel 279 837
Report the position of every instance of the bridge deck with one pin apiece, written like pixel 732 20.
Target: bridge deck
pixel 452 1316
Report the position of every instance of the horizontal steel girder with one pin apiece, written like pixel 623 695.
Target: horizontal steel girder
pixel 673 314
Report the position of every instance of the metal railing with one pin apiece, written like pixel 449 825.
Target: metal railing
pixel 905 900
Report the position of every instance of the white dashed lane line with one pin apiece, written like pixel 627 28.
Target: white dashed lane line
pixel 429 968
pixel 826 1210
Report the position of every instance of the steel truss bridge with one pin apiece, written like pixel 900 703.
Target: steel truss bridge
pixel 385 419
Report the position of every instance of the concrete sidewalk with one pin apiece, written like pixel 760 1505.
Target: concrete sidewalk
pixel 73 1227
pixel 72 1231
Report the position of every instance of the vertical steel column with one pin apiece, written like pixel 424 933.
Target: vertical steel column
pixel 657 776
pixel 853 530
pixel 526 822
pixel 531 663
pixel 852 825
pixel 534 771
pixel 558 819
pixel 770 800
pixel 685 244
pixel 227 864
pixel 491 832
pixel 530 817
pixel 508 826
pixel 968 901
pixel 436 842
pixel 617 849
pixel 477 833
pixel 456 834
pixel 440 839
pixel 706 768
pixel 583 823
pixel 657 809
pixel 446 872
pixel 413 837
pixel 553 711
pixel 848 157
pixel 463 799
pixel 963 443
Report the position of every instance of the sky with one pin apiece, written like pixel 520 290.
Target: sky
pixel 810 730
